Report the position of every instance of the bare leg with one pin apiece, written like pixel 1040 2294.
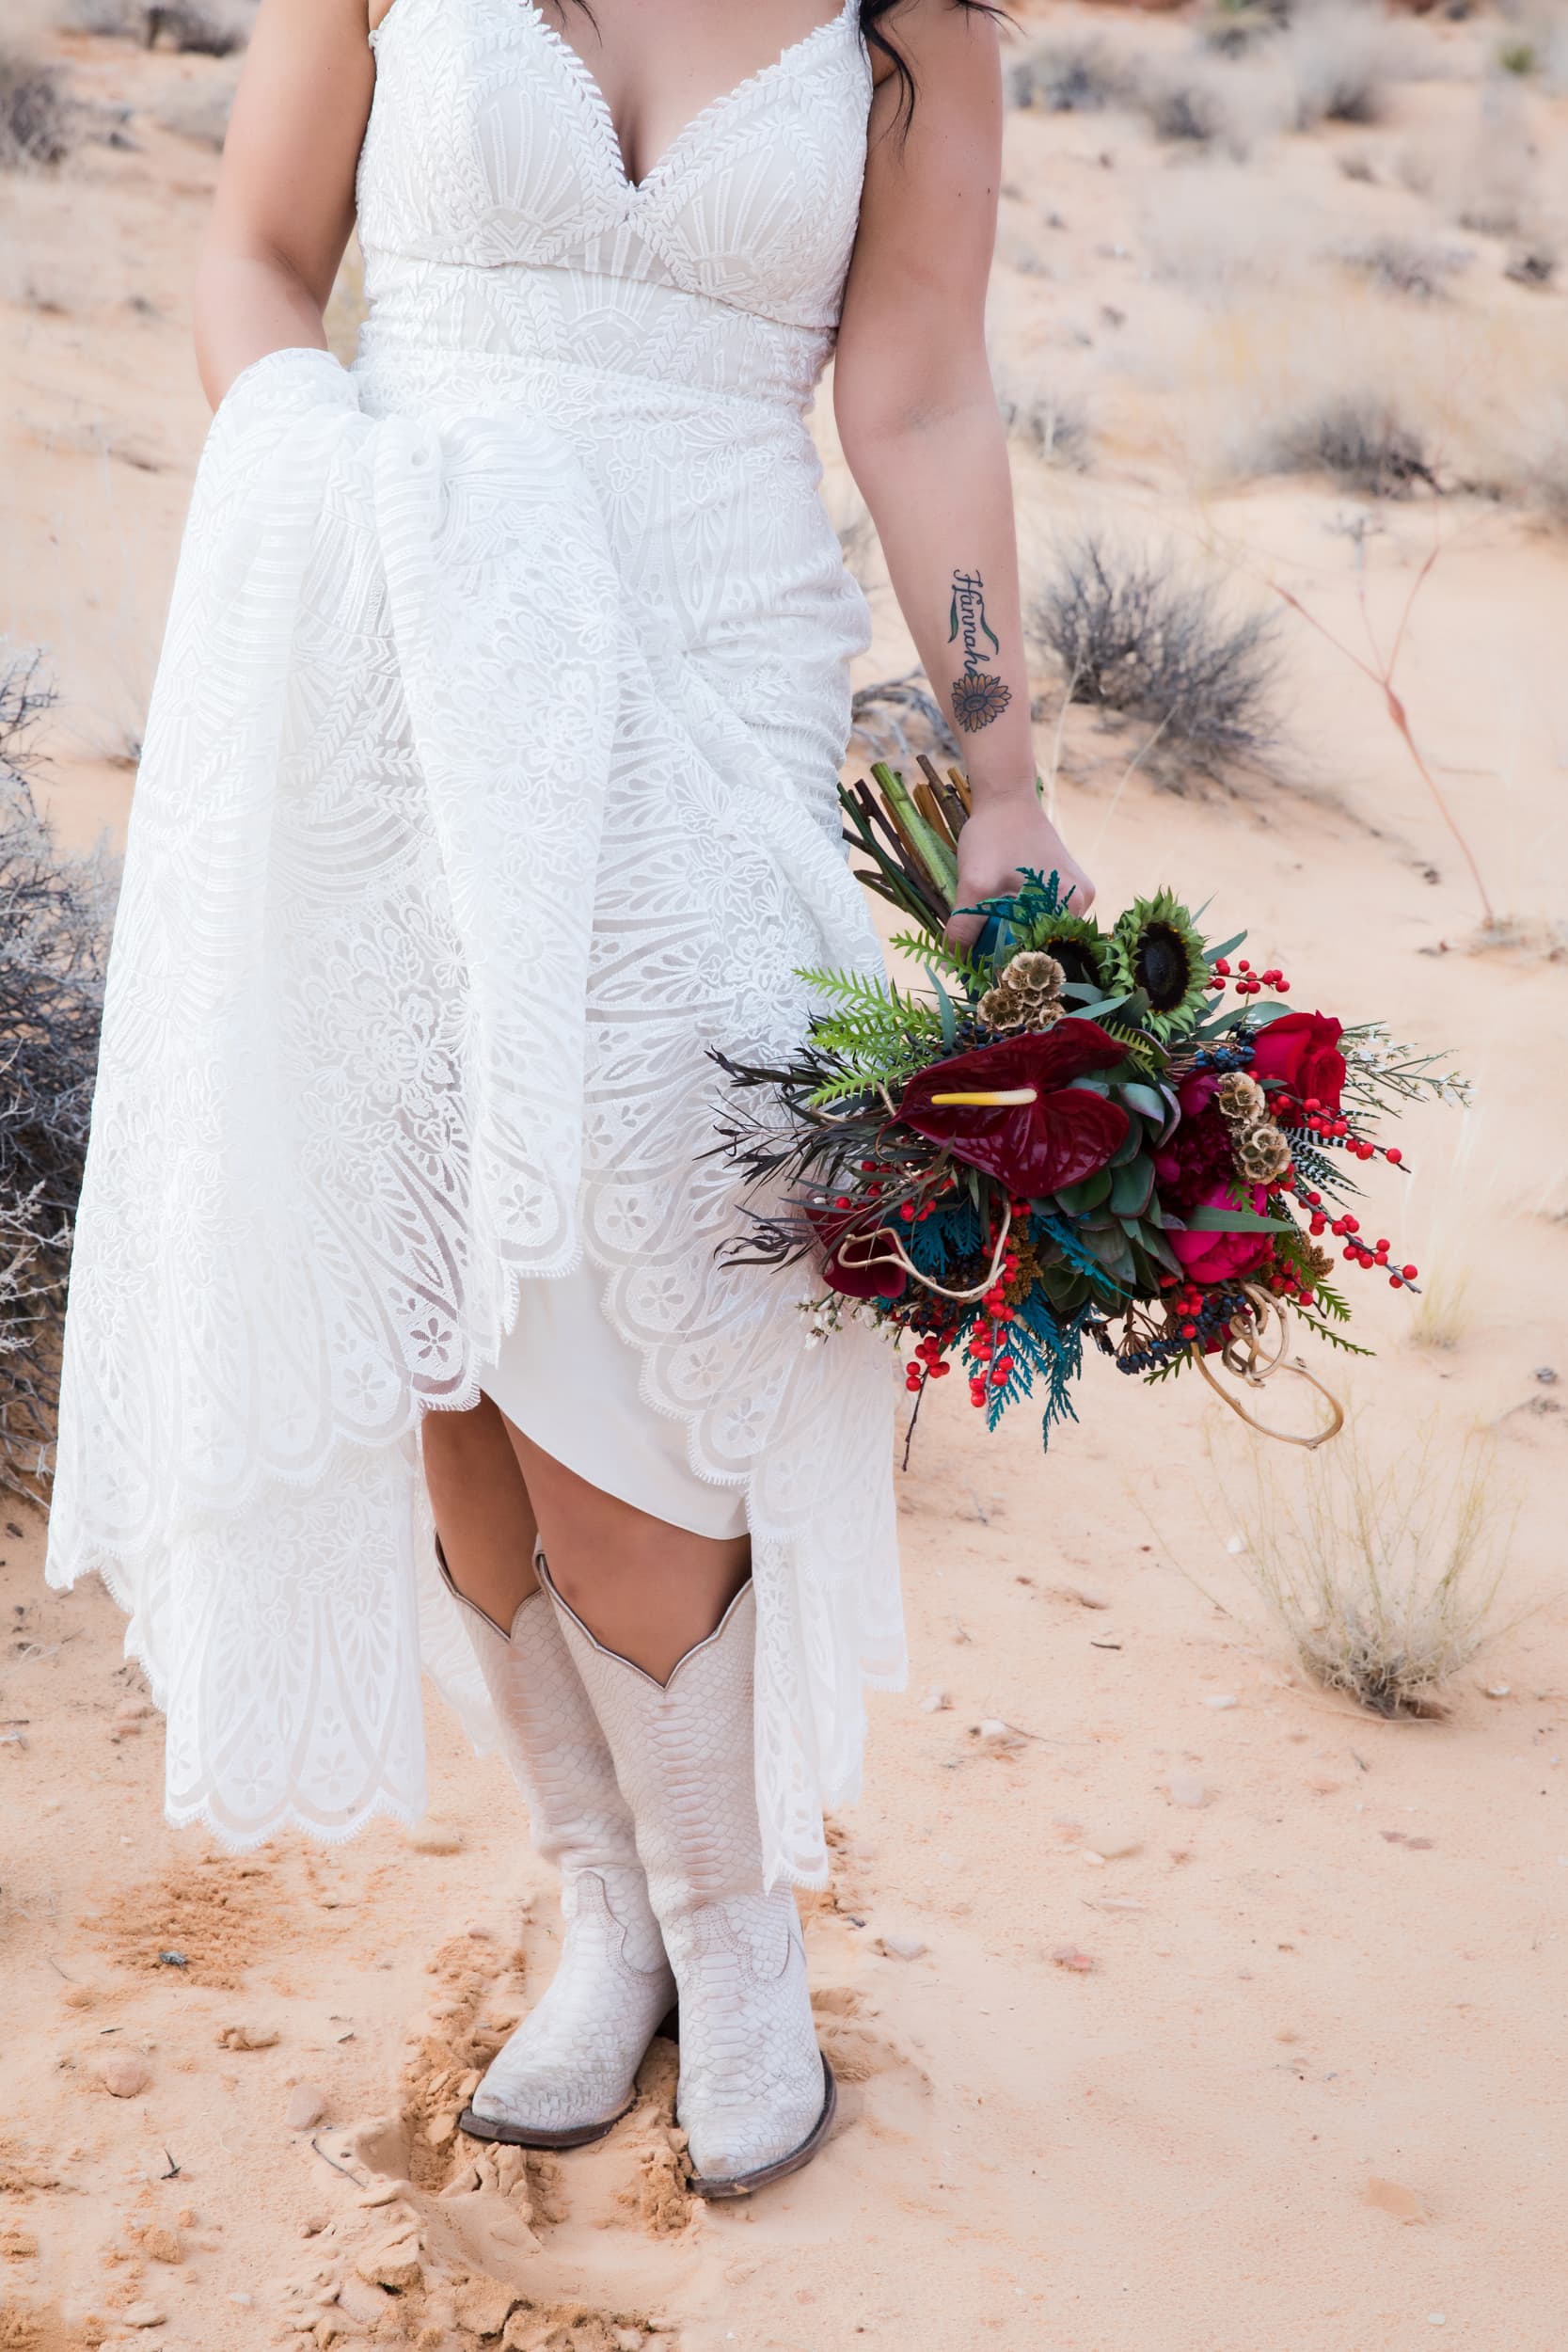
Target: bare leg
pixel 648 1590
pixel 483 1514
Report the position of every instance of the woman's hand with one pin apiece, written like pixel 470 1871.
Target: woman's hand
pixel 1006 834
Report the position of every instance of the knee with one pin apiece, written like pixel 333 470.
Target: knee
pixel 465 1438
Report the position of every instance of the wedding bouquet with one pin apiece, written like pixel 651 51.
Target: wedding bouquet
pixel 1122 1132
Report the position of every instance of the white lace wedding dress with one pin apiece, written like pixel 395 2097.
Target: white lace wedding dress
pixel 490 783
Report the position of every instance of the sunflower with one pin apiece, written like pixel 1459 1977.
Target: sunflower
pixel 1155 948
pixel 1074 940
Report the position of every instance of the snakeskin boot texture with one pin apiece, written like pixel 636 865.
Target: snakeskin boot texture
pixel 755 2094
pixel 567 2073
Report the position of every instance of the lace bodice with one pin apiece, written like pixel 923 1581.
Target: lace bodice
pixel 496 213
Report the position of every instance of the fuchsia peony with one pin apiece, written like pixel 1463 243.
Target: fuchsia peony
pixel 1221 1257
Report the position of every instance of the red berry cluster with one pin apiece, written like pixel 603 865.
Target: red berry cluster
pixel 1348 1230
pixel 1248 982
pixel 1331 1126
pixel 987 1344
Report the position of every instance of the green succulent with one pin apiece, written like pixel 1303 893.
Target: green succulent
pixel 1156 949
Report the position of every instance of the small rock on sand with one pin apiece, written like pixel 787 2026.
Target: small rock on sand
pixel 1391 2196
pixel 1219 1699
pixel 162 2246
pixel 1116 1845
pixel 935 1703
pixel 484 2306
pixel 362 2302
pixel 248 2037
pixel 1187 1788
pixel 435 1836
pixel 306 2108
pixel 1069 1956
pixel 144 2316
pixel 124 2075
pixel 396 2266
pixel 901 1947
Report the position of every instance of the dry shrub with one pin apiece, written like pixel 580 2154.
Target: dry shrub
pixel 36 124
pixel 1382 1575
pixel 1412 266
pixel 897 719
pixel 1145 638
pixel 1069 76
pixel 54 933
pixel 201 28
pixel 1341 57
pixel 1362 440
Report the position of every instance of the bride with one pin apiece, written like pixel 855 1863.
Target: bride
pixel 489 786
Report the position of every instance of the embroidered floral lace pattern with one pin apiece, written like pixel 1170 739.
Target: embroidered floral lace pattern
pixel 488 783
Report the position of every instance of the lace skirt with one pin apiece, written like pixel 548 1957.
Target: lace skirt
pixel 488 785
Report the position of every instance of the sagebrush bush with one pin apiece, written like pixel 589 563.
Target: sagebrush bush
pixel 54 935
pixel 1143 637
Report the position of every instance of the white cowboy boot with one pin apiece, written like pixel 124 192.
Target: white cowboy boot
pixel 567 2073
pixel 757 2094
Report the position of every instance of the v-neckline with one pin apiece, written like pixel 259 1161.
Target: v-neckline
pixel 587 83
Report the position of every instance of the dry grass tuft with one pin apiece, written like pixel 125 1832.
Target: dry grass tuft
pixel 1442 1316
pixel 1382 1578
pixel 1050 427
pixel 1145 638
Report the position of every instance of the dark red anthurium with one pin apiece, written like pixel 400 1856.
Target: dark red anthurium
pixel 1050 1133
pixel 850 1238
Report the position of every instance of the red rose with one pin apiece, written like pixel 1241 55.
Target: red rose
pixel 1221 1257
pixel 1301 1050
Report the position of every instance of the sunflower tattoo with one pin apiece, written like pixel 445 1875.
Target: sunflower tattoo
pixel 980 696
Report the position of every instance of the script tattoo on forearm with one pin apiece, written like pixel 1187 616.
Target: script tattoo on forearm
pixel 980 696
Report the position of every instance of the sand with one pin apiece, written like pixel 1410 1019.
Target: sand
pixel 1179 2007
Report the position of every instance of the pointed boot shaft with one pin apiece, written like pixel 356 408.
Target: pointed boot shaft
pixel 755 2095
pixel 569 2070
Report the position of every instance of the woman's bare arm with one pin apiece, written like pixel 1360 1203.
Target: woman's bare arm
pixel 285 196
pixel 918 420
